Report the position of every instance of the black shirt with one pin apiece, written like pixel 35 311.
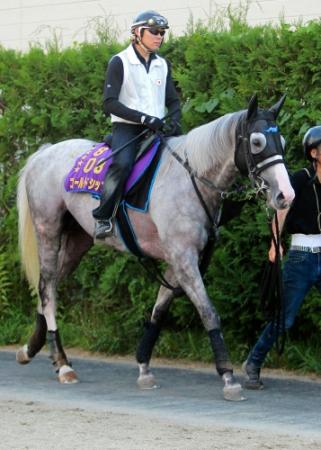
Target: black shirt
pixel 113 84
pixel 303 214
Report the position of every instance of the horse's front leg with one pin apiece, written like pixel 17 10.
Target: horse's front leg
pixel 187 273
pixel 146 379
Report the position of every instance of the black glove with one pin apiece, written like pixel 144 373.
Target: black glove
pixel 172 128
pixel 154 123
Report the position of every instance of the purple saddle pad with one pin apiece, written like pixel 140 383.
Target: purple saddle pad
pixel 87 176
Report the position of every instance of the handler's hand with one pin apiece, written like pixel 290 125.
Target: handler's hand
pixel 272 252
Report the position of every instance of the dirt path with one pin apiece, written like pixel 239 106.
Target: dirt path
pixel 107 411
pixel 39 426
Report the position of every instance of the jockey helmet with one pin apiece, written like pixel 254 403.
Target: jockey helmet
pixel 312 139
pixel 149 19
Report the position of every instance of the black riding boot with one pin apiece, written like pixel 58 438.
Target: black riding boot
pixel 117 174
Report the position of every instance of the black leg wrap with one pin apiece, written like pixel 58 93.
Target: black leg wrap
pixel 145 348
pixel 57 353
pixel 38 339
pixel 222 359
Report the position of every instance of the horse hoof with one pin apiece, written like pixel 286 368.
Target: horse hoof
pixel 233 393
pixel 147 381
pixel 22 355
pixel 67 375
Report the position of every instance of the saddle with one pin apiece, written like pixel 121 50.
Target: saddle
pixel 87 175
pixel 144 145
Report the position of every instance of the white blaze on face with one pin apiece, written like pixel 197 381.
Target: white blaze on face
pixel 277 178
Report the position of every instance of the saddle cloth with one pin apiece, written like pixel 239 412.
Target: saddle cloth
pixel 87 176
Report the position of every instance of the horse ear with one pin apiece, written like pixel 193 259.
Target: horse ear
pixel 275 109
pixel 252 108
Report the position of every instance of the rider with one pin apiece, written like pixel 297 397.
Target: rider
pixel 138 88
pixel 302 269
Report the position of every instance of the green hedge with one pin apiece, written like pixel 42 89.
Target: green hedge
pixel 56 94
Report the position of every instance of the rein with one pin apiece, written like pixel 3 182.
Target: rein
pixel 257 183
pixel 272 299
pixel 252 170
pixel 154 273
pixel 192 172
pixel 213 234
pixel 277 288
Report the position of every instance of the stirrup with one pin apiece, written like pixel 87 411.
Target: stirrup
pixel 253 380
pixel 104 229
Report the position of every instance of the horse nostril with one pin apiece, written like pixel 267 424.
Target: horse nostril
pixel 280 197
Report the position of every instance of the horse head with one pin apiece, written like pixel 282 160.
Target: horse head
pixel 259 152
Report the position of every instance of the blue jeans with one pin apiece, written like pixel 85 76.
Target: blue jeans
pixel 301 271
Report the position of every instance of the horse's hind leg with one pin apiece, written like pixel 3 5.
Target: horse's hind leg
pixel 49 245
pixel 36 341
pixel 58 257
pixel 152 330
pixel 74 243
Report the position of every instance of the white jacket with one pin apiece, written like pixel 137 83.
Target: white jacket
pixel 141 90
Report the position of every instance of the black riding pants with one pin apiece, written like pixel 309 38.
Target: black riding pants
pixel 119 169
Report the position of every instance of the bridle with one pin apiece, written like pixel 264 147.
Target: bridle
pixel 253 164
pixel 248 164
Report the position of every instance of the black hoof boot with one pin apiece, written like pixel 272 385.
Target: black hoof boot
pixel 253 380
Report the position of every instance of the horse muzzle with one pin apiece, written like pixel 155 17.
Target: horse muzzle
pixel 280 192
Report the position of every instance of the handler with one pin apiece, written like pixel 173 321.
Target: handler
pixel 302 269
pixel 138 88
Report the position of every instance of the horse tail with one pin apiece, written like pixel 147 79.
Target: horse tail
pixel 27 237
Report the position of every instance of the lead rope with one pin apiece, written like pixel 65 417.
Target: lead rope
pixel 278 320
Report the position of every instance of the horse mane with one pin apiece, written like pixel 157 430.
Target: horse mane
pixel 213 143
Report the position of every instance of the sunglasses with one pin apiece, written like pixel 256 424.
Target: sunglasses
pixel 156 31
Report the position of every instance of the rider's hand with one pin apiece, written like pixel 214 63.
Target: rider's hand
pixel 154 123
pixel 171 128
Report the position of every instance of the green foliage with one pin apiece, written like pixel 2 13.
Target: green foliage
pixel 51 95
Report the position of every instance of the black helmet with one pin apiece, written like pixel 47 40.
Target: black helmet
pixel 149 19
pixel 312 139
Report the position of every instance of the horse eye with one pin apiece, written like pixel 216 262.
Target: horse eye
pixel 258 142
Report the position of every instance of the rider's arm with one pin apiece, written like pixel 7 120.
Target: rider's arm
pixel 113 84
pixel 172 101
pixel 112 87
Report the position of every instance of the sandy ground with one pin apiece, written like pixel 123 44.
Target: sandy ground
pixel 45 425
pixel 37 426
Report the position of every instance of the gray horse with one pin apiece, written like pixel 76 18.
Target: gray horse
pixel 56 227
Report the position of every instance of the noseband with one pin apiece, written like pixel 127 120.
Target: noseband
pixel 253 164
